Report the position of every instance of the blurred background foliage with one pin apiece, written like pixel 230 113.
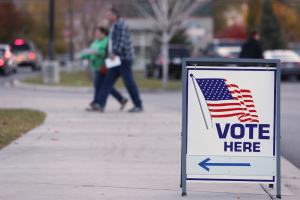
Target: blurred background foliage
pixel 28 19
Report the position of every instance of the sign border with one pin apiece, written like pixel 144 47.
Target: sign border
pixel 270 64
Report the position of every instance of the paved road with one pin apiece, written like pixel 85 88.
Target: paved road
pixel 290 119
pixel 23 72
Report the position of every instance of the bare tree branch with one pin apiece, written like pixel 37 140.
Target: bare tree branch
pixel 169 16
pixel 157 12
pixel 195 5
pixel 141 10
pixel 176 9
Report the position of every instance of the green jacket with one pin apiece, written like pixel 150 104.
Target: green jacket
pixel 97 60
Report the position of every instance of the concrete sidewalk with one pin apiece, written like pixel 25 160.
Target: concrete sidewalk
pixel 113 155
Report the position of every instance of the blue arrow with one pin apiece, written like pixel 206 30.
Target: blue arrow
pixel 204 164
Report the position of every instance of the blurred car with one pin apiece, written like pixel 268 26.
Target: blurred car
pixel 297 49
pixel 223 48
pixel 64 59
pixel 5 68
pixel 9 63
pixel 290 61
pixel 155 63
pixel 27 54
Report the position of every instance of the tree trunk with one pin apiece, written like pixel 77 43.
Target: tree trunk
pixel 165 69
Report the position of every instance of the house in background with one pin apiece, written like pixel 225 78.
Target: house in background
pixel 199 30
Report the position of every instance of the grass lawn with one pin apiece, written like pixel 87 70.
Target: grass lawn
pixel 15 123
pixel 81 79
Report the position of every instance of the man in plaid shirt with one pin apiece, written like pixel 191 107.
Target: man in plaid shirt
pixel 119 45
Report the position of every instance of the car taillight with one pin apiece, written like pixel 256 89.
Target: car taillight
pixel 1 62
pixel 161 60
pixel 298 64
pixel 31 56
pixel 282 63
pixel 7 54
pixel 229 56
pixel 19 42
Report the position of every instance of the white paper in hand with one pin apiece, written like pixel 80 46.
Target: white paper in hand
pixel 88 51
pixel 113 63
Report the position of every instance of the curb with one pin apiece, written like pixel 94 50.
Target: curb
pixel 17 83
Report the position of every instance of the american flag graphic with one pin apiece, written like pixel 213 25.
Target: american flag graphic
pixel 228 100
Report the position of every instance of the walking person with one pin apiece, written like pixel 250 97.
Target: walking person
pixel 99 47
pixel 119 45
pixel 252 48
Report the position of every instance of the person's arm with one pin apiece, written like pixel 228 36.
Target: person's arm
pixel 85 56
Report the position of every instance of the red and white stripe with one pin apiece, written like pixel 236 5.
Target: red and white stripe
pixel 241 106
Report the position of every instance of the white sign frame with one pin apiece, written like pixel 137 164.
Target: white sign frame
pixel 195 164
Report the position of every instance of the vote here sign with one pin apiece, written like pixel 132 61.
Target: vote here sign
pixel 231 123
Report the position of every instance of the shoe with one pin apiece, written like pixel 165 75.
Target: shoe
pixel 136 109
pixel 95 107
pixel 123 104
pixel 92 105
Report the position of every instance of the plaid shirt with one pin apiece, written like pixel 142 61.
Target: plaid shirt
pixel 121 41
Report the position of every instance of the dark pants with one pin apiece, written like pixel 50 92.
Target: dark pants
pixel 98 82
pixel 125 71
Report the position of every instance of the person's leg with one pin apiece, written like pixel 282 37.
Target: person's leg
pixel 99 78
pixel 115 93
pixel 107 86
pixel 97 85
pixel 127 76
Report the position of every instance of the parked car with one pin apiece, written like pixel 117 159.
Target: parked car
pixel 297 49
pixel 155 63
pixel 9 63
pixel 290 61
pixel 27 54
pixel 5 67
pixel 223 48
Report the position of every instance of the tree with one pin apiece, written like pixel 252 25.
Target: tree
pixel 87 16
pixel 289 21
pixel 219 15
pixel 235 31
pixel 226 13
pixel 253 15
pixel 167 16
pixel 270 28
pixel 10 21
pixel 35 24
pixel 179 37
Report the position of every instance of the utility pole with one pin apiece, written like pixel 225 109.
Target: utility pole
pixel 51 67
pixel 51 33
pixel 71 46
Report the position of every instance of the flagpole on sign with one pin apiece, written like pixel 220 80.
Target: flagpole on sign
pixel 192 76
